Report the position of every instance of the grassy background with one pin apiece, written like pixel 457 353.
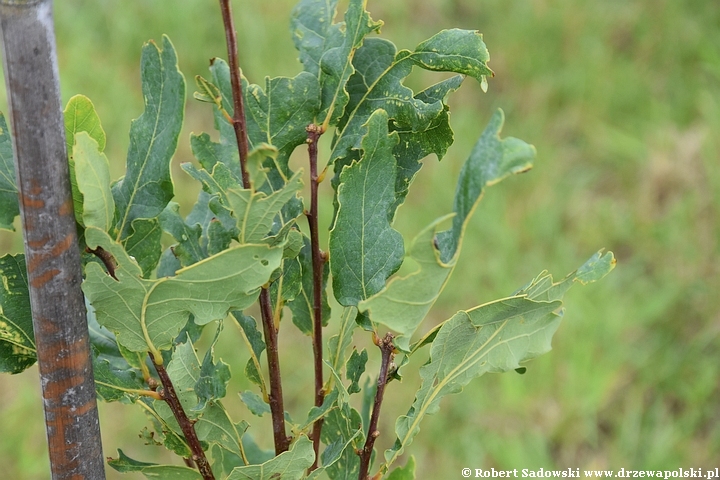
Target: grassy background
pixel 621 99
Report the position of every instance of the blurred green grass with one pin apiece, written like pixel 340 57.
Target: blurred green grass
pixel 621 99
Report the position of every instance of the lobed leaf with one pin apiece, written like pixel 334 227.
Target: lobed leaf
pixel 495 337
pixel 364 248
pixel 312 31
pixel 380 70
pixel 212 425
pixel 290 465
pixel 9 206
pixel 435 139
pixel 302 305
pixel 335 53
pixel 188 249
pixel 17 340
pixel 404 473
pixel 214 376
pixel 254 403
pixel 405 301
pixel 143 244
pixel 491 160
pixel 254 341
pixel 255 211
pixel 124 464
pixel 148 314
pixel 147 187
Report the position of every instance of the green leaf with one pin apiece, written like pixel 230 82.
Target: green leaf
pixel 255 404
pixel 405 301
pixel 254 341
pixel 114 383
pixel 147 187
pixel 495 337
pixel 311 26
pixel 17 341
pixel 9 206
pixel 255 211
pixel 542 288
pixel 184 371
pixel 279 114
pixel 302 305
pixel 210 153
pixel 364 248
pixel 342 433
pixel 326 49
pixel 380 70
pixel 214 376
pixel 404 473
pixel 491 160
pixel 355 368
pixel 80 116
pixel 216 427
pixel 148 314
pixel 455 50
pixel 213 425
pixel 188 249
pixel 339 343
pixel 435 139
pixel 143 244
pixel 288 465
pixel 93 181
pixel 126 464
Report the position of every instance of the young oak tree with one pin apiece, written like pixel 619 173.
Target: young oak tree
pixel 243 243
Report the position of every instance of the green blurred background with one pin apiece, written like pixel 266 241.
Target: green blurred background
pixel 622 101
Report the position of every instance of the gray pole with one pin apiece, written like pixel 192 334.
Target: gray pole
pixel 52 256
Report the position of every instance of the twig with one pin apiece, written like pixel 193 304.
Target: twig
pixel 318 261
pixel 186 425
pixel 238 118
pixel 282 442
pixel 277 410
pixel 387 350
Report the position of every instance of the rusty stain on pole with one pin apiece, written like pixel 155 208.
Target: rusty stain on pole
pixel 53 258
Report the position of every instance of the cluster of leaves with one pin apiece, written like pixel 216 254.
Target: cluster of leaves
pixel 145 298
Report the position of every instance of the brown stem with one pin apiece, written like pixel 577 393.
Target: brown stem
pixel 318 260
pixel 186 425
pixel 238 118
pixel 282 441
pixel 277 410
pixel 387 351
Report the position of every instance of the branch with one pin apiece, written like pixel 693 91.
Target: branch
pixel 186 425
pixel 318 261
pixel 282 442
pixel 238 118
pixel 277 410
pixel 387 350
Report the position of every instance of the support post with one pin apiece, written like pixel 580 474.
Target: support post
pixel 52 255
